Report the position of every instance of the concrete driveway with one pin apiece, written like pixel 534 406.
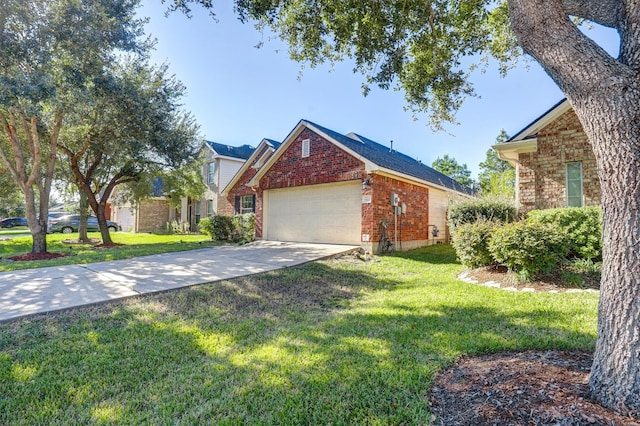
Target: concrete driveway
pixel 40 290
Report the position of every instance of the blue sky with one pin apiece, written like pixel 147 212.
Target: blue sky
pixel 240 94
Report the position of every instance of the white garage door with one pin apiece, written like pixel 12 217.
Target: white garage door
pixel 327 213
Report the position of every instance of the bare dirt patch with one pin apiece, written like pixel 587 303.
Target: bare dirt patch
pixel 527 388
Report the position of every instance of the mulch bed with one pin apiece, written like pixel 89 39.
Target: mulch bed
pixel 520 388
pixel 526 388
pixel 38 256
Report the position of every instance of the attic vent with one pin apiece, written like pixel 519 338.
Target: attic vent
pixel 306 143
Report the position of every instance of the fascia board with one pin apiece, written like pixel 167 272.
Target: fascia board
pixel 245 166
pixel 416 181
pixel 542 121
pixel 277 154
pixel 510 151
pixel 368 164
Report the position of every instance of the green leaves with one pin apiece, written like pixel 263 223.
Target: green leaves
pixel 450 167
pixel 414 45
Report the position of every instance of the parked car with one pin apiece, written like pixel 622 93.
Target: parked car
pixel 71 223
pixel 10 222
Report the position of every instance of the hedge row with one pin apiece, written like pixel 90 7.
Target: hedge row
pixel 535 244
pixel 234 229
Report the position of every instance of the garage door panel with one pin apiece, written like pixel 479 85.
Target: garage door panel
pixel 328 213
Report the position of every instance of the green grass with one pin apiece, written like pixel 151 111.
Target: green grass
pixel 14 230
pixel 330 342
pixel 133 245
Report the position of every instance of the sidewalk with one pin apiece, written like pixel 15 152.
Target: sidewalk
pixel 40 290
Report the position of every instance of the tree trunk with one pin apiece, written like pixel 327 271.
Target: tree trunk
pixel 612 125
pixel 84 214
pixel 102 222
pixel 604 93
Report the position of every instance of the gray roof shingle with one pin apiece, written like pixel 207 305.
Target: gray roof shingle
pixel 242 152
pixel 393 160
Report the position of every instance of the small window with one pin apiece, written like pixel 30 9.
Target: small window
pixel 247 204
pixel 198 211
pixel 211 175
pixel 306 144
pixel 210 211
pixel 574 184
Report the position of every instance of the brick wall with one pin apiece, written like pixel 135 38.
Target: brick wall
pixel 326 163
pixel 412 226
pixel 153 215
pixel 542 175
pixel 241 188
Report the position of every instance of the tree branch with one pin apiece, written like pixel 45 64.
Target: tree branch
pixel 604 12
pixel 576 63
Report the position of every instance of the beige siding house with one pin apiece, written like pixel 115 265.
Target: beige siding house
pixel 555 165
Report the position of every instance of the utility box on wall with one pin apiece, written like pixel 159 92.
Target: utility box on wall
pixel 394 199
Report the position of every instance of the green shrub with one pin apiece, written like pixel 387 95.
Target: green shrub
pixel 471 242
pixel 529 248
pixel 583 226
pixel 175 227
pixel 235 229
pixel 488 209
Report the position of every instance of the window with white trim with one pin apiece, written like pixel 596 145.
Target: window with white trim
pixel 306 148
pixel 210 208
pixel 198 211
pixel 211 175
pixel 247 204
pixel 574 184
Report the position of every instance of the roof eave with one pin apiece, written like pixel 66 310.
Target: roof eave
pixel 415 180
pixel 536 125
pixel 510 151
pixel 245 166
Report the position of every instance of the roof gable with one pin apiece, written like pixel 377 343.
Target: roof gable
pixel 375 156
pixel 532 129
pixel 526 140
pixel 259 153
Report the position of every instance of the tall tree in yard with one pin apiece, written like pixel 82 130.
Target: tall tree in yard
pixel 420 46
pixel 52 52
pixel 131 131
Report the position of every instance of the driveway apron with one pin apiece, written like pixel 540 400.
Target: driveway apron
pixel 33 291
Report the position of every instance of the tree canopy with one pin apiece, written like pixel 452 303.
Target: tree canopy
pixel 52 55
pixel 456 171
pixel 133 130
pixel 497 177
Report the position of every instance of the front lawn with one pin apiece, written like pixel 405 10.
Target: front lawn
pixel 132 245
pixel 330 342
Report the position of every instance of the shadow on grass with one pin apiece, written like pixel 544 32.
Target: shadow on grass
pixel 300 345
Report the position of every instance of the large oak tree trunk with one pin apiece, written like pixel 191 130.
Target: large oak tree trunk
pixel 613 127
pixel 604 93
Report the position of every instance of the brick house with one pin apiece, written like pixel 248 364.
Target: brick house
pixel 323 186
pixel 555 165
pixel 222 162
pixel 149 215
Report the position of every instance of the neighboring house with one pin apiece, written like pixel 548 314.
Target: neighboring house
pixel 323 186
pixel 149 215
pixel 555 165
pixel 241 198
pixel 221 164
